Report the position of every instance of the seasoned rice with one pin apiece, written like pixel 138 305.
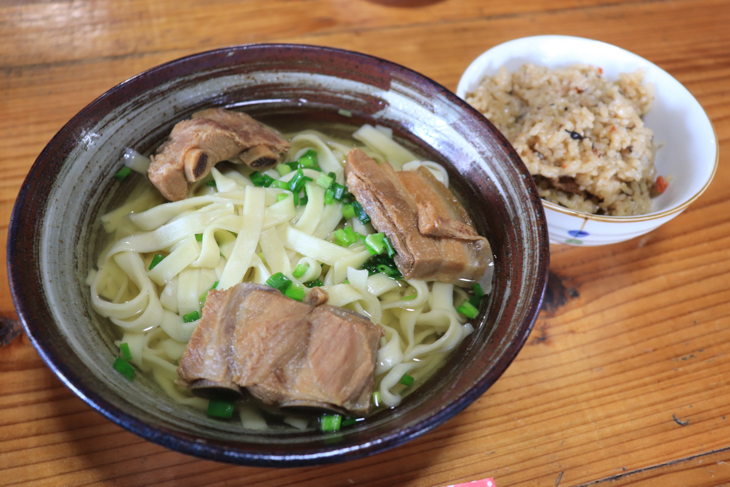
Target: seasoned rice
pixel 581 136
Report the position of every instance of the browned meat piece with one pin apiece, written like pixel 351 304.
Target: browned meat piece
pixel 211 136
pixel 429 229
pixel 285 352
pixel 205 364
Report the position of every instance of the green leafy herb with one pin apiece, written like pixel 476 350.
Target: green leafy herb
pixel 156 260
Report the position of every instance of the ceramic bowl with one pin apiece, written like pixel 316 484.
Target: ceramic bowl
pixel 55 235
pixel 688 144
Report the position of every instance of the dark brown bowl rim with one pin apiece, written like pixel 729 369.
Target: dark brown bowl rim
pixel 26 209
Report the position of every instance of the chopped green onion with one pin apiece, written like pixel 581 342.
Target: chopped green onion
pixel 314 283
pixel 478 291
pixel 126 353
pixel 279 281
pixel 212 184
pixel 382 263
pixel 375 243
pixel 199 237
pixel 350 421
pixel 329 197
pixel 348 211
pixel 283 169
pixel 124 368
pixel 296 198
pixel 279 184
pixel 408 298
pixel 303 200
pixel 156 260
pixel 190 317
pixel 281 197
pixel 468 310
pixel 474 301
pixel 220 408
pixel 257 179
pixel 308 159
pixel 389 247
pixel 296 184
pixel 329 423
pixel 344 113
pixel 339 190
pixel 215 285
pixel 376 398
pixel 324 181
pixel 261 180
pixel 122 174
pixel 295 292
pixel 300 270
pixel 360 212
pixel 406 380
pixel 346 237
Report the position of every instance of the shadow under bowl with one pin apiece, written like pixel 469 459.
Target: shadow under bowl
pixel 55 235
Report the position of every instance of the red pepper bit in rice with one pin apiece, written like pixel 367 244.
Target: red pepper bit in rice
pixel 660 185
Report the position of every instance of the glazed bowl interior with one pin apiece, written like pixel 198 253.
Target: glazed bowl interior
pixel 55 235
pixel 687 153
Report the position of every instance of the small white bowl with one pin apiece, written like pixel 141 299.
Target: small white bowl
pixel 688 144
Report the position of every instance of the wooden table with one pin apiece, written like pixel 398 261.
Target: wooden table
pixel 626 376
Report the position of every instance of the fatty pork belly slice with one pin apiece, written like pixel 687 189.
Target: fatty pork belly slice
pixel 211 136
pixel 205 365
pixel 444 247
pixel 339 365
pixel 292 355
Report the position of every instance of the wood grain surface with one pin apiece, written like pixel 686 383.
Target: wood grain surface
pixel 625 379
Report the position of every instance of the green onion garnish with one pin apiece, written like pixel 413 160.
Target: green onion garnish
pixel 126 353
pixel 329 423
pixel 468 310
pixel 346 237
pixel 474 301
pixel 220 408
pixel 296 184
pixel 324 181
pixel 349 421
pixel 344 113
pixel 156 260
pixel 279 281
pixel 478 292
pixel 257 179
pixel 329 197
pixel 295 292
pixel 375 243
pixel 279 184
pixel 408 298
pixel 199 237
pixel 122 174
pixel 348 211
pixel 283 169
pixel 360 212
pixel 211 184
pixel 300 270
pixel 124 368
pixel 190 317
pixel 406 380
pixel 339 190
pixel 303 200
pixel 382 263
pixel 308 159
pixel 314 283
pixel 389 247
pixel 281 197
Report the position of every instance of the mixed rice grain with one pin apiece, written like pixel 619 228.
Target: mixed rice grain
pixel 581 136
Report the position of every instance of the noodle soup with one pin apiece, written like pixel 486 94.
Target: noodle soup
pixel 153 278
